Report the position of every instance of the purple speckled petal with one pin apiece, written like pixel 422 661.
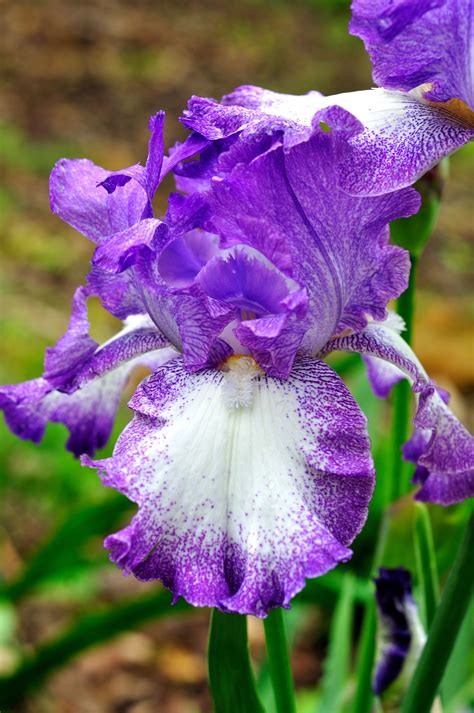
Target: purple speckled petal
pixel 404 135
pixel 339 247
pixel 77 199
pixel 240 528
pixel 97 384
pixel 412 43
pixel 448 453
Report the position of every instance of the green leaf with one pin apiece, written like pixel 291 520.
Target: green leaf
pixel 231 678
pixel 412 233
pixel 338 661
pixel 87 631
pixel 426 564
pixel 62 550
pixel 446 624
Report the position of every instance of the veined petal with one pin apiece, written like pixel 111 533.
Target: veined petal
pixel 245 484
pixel 404 134
pixel 446 450
pixel 77 197
pixel 413 43
pixel 91 388
pixel 403 137
pixel 338 248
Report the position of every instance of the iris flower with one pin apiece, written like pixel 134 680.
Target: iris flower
pixel 401 635
pixel 421 111
pixel 247 456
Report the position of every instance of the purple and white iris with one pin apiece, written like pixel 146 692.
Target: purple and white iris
pixel 247 456
pixel 423 109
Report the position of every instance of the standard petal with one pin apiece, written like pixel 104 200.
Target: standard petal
pixel 246 485
pixel 403 136
pixel 77 197
pixel 91 387
pixel 413 43
pixel 339 247
pixel 445 449
pixel 252 109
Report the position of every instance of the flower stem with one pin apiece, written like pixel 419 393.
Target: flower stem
pixel 426 563
pixel 401 470
pixel 279 662
pixel 231 678
pixel 444 629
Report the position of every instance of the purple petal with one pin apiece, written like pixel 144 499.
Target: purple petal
pixel 77 199
pixel 240 528
pixel 447 455
pixel 98 382
pixel 147 177
pixel 252 109
pixel 413 43
pixel 120 251
pixel 74 347
pixel 183 258
pixel 400 635
pixel 244 281
pixel 338 243
pixel 382 375
pixel 404 136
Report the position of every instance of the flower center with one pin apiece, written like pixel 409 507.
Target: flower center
pixel 238 386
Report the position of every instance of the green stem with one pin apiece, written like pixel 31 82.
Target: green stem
pixel 231 678
pixel 401 470
pixel 363 697
pixel 444 629
pixel 426 563
pixel 279 662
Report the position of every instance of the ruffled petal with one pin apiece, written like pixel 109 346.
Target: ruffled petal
pixel 246 485
pixel 90 388
pixel 77 197
pixel 339 247
pixel 413 43
pixel 445 449
pixel 403 137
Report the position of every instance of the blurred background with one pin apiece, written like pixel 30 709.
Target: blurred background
pixel 81 79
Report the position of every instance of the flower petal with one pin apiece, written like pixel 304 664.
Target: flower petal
pixel 240 498
pixel 91 386
pixel 80 201
pixel 447 449
pixel 403 137
pixel 413 43
pixel 339 247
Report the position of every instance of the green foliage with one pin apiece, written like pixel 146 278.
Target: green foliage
pixel 87 631
pixel 338 659
pixel 231 678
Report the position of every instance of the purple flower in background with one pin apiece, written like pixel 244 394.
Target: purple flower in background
pixel 247 456
pixel 424 109
pixel 401 636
